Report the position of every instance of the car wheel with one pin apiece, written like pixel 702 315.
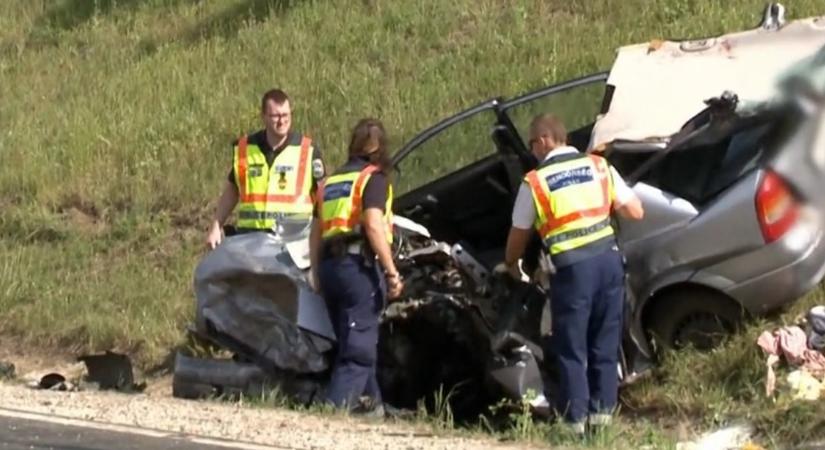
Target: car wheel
pixel 695 317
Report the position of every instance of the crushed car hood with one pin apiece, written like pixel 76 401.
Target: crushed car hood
pixel 661 84
pixel 251 289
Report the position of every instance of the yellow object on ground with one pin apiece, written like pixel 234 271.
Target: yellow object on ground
pixel 752 446
pixel 804 385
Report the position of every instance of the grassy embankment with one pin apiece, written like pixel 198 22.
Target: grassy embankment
pixel 116 116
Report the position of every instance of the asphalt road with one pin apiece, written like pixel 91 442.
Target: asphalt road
pixel 25 434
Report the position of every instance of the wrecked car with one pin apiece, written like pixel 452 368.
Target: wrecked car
pixel 732 196
pixel 726 184
pixel 723 144
pixel 456 325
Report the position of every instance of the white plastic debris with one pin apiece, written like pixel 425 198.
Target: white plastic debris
pixel 732 437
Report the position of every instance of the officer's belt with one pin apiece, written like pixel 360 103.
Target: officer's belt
pixel 341 245
pixel 577 233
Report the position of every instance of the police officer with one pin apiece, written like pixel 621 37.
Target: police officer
pixel 349 249
pixel 569 199
pixel 274 174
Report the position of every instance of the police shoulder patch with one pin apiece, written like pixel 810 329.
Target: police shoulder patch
pixel 317 168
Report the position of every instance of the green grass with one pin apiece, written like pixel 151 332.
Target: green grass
pixel 715 389
pixel 116 118
pixel 513 421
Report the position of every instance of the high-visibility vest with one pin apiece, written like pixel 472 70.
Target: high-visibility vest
pixel 340 203
pixel 573 197
pixel 269 193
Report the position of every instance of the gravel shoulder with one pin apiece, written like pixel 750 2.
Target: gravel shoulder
pixel 274 427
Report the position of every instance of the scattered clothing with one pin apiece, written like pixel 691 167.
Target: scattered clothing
pixel 791 343
pixel 816 319
pixel 816 333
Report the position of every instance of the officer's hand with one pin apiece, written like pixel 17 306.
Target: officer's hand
pixel 394 286
pixel 513 271
pixel 314 284
pixel 214 236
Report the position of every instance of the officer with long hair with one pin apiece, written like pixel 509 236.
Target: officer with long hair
pixel 352 263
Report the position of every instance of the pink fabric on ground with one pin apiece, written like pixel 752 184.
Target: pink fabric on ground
pixel 791 343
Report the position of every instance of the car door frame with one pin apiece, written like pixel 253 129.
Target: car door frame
pixel 500 106
pixel 504 155
pixel 440 126
pixel 504 118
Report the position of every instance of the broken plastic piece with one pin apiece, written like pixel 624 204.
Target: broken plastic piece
pixel 410 226
pixel 517 373
pixel 50 380
pixel 54 381
pixel 111 371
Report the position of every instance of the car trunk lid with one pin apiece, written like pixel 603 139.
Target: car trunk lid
pixel 674 78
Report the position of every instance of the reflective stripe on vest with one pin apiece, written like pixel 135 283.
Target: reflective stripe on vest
pixel 573 200
pixel 340 200
pixel 267 193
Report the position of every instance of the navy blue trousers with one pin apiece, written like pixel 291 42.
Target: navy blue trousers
pixel 354 293
pixel 586 304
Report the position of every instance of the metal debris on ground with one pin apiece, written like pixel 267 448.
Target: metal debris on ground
pixel 54 382
pixel 111 371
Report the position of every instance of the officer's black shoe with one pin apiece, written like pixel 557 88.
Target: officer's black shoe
pixel 367 407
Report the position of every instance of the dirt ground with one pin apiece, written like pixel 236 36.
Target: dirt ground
pixel 156 409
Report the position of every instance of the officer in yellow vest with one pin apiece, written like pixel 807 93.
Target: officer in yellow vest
pixel 568 199
pixel 273 176
pixel 352 262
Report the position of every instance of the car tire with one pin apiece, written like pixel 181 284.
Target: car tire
pixel 193 390
pixel 700 318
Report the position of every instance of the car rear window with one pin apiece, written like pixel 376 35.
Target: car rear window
pixel 700 173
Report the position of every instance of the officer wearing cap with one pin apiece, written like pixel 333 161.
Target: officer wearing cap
pixel 568 199
pixel 273 176
pixel 352 262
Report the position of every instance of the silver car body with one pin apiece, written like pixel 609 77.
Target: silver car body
pixel 719 245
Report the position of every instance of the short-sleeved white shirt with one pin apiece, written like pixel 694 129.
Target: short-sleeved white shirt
pixel 524 211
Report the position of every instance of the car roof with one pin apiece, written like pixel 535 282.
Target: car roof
pixel 661 84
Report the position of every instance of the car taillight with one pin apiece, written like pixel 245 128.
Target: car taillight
pixel 776 207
